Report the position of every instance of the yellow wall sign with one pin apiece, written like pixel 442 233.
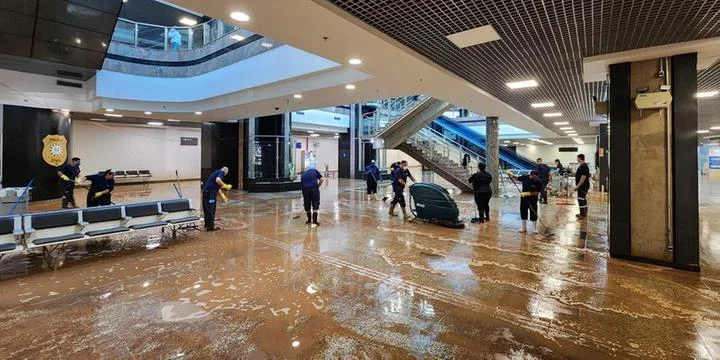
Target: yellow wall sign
pixel 54 150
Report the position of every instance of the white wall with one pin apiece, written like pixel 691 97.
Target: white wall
pixel 550 152
pixel 125 147
pixel 393 156
pixel 325 148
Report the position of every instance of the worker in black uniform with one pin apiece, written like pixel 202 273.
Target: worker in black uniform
pixel 480 182
pixel 400 177
pixel 69 173
pixel 310 182
pixel 101 188
pixel 545 178
pixel 212 186
pixel 531 187
pixel 582 186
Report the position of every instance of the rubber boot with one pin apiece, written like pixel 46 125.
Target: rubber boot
pixel 524 227
pixel 405 214
pixel 314 218
pixel 308 217
pixel 391 212
pixel 535 228
pixel 64 203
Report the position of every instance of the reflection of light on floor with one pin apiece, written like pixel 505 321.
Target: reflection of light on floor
pixel 295 343
pixel 311 289
pixel 146 284
pixel 426 308
pixel 372 242
pixel 196 286
pixel 553 283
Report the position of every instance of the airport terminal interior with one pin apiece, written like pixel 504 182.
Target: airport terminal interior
pixel 359 179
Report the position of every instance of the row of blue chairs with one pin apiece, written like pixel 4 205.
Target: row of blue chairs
pixel 50 230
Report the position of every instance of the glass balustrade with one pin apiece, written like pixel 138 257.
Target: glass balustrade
pixel 435 143
pixel 174 38
pixel 384 112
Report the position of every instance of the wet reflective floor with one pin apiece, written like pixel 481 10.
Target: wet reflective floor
pixel 362 285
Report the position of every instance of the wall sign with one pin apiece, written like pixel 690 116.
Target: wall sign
pixel 714 162
pixel 54 150
pixel 188 141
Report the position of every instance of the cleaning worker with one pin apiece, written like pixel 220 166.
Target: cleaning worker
pixel 101 188
pixel 372 177
pixel 400 177
pixel 480 182
pixel 310 182
pixel 69 173
pixel 582 186
pixel 213 186
pixel 545 178
pixel 531 187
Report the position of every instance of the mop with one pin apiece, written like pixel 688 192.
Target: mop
pixel 546 234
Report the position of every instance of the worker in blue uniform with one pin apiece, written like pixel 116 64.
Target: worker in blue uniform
pixel 101 188
pixel 211 188
pixel 400 177
pixel 310 182
pixel 69 173
pixel 372 177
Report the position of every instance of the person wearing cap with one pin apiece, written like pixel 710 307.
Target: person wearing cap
pixel 69 173
pixel 101 188
pixel 211 188
pixel 372 177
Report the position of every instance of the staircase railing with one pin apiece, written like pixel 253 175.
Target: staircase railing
pixel 386 112
pixel 430 139
pixel 158 37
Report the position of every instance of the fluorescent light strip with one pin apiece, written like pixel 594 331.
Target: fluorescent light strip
pixel 542 105
pixel 707 94
pixel 238 37
pixel 703 131
pixel 188 21
pixel 173 120
pixel 552 114
pixel 566 128
pixel 578 141
pixel 522 84
pixel 155 123
pixel 113 115
pixel 715 128
pixel 561 123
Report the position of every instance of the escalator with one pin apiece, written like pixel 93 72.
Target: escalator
pixel 477 143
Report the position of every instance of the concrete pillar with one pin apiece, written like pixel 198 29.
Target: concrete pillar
pixel 492 152
pixel 654 208
pixel 603 164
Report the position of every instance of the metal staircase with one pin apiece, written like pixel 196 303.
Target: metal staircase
pixel 442 155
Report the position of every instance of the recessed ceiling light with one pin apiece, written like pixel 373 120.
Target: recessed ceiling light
pixel 78 41
pixel 355 61
pixel 103 44
pixel 310 132
pixel 188 21
pixel 552 114
pixel 238 37
pixel 476 36
pixel 707 94
pixel 148 113
pixel 566 128
pixel 314 135
pixel 174 120
pixel 350 87
pixel 297 96
pixel 507 141
pixel 336 136
pixel 703 131
pixel 65 110
pixel 561 123
pixel 240 16
pixel 198 113
pixel 542 105
pixel 516 143
pixel 125 1
pixel 98 119
pixel 155 123
pixel 522 84
pixel 266 44
pixel 110 110
pixel 113 115
pixel 715 128
pixel 570 131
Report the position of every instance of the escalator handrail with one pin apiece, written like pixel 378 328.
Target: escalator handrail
pixel 516 160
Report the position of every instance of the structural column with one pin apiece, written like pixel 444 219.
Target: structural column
pixel 492 152
pixel 654 207
pixel 603 163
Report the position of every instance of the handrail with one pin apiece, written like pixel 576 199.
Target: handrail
pixel 389 111
pixel 446 140
pixel 158 37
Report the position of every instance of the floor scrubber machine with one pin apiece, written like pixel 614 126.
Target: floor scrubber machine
pixel 432 203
